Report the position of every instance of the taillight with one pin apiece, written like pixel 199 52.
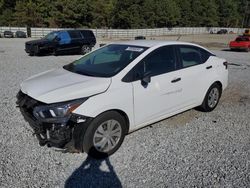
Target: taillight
pixel 225 64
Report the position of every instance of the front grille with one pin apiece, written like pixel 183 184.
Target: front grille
pixel 53 134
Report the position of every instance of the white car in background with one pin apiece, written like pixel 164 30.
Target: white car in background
pixel 95 101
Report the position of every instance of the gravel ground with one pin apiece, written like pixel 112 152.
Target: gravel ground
pixel 192 149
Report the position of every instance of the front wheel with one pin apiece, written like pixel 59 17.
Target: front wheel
pixel 85 49
pixel 212 98
pixel 36 50
pixel 104 135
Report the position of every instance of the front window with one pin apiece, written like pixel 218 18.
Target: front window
pixel 107 61
pixel 51 36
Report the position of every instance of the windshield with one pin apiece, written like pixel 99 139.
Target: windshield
pixel 107 61
pixel 51 36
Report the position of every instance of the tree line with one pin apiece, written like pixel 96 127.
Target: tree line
pixel 124 13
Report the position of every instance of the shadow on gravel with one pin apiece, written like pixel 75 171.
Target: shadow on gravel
pixel 90 174
pixel 229 50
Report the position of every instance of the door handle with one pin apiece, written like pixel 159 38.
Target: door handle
pixel 176 80
pixel 209 67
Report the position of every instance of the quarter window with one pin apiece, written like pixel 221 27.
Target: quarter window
pixel 75 34
pixel 190 56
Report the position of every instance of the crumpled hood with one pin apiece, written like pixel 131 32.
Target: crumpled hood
pixel 62 85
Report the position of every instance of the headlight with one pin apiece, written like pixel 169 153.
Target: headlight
pixel 57 112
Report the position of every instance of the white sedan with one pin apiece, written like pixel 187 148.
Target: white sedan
pixel 92 103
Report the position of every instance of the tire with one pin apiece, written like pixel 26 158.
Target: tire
pixel 85 49
pixel 96 135
pixel 212 98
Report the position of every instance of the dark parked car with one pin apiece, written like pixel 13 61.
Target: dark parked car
pixel 20 34
pixel 63 42
pixel 8 34
pixel 140 38
pixel 222 31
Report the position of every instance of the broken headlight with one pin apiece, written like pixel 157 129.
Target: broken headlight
pixel 57 113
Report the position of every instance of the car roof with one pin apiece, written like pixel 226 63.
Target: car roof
pixel 152 43
pixel 74 30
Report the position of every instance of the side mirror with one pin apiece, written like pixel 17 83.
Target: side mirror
pixel 146 79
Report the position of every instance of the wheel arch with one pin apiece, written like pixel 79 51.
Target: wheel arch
pixel 205 91
pixel 123 114
pixel 220 85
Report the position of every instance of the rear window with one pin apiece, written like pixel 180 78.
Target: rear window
pixel 192 55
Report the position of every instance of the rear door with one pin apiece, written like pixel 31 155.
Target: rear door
pixel 76 40
pixel 195 71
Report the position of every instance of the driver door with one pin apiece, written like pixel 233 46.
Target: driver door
pixel 162 95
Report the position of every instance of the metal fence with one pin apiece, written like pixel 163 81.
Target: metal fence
pixel 129 33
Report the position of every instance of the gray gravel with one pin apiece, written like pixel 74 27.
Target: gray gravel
pixel 192 149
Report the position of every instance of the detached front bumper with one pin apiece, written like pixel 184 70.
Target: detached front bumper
pixel 50 134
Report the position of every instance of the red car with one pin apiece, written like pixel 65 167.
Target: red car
pixel 241 43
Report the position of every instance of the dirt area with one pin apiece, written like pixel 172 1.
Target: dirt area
pixel 212 41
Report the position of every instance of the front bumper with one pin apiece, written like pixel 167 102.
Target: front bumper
pixel 28 48
pixel 50 134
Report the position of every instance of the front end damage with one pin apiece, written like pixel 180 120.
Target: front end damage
pixel 58 130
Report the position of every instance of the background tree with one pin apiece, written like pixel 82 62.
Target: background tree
pixel 6 12
pixel 167 13
pixel 28 13
pixel 229 15
pixel 102 13
pixel 124 13
pixel 185 13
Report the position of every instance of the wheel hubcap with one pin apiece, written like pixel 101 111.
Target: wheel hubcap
pixel 107 135
pixel 85 49
pixel 213 97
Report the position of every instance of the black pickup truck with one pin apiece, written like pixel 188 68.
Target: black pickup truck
pixel 62 42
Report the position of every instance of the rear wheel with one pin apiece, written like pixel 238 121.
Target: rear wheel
pixel 104 135
pixel 212 98
pixel 85 49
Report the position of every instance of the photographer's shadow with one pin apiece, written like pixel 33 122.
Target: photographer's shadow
pixel 89 174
